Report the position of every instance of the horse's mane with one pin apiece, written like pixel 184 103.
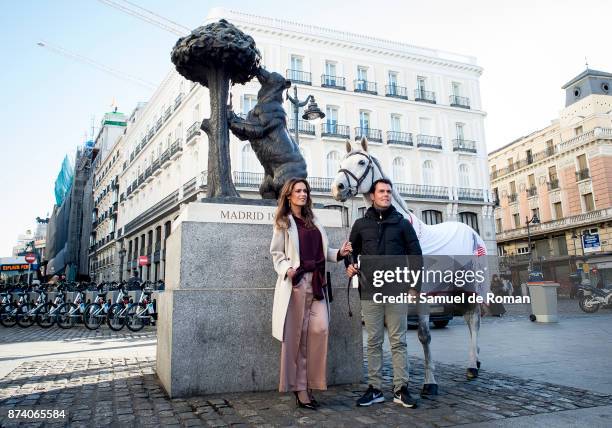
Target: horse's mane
pixel 395 193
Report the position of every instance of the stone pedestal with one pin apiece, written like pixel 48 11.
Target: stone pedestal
pixel 215 316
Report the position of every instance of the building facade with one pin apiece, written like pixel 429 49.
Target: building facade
pixel 562 174
pixel 103 254
pixel 420 109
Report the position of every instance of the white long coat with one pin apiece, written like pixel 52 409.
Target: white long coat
pixel 285 251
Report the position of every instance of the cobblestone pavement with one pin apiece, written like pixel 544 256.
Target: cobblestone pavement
pixel 125 392
pixel 78 333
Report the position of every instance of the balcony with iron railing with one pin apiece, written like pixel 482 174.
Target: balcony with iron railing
pixel 248 179
pixel 421 191
pixel 122 197
pixel 532 191
pixel 193 131
pixel 553 184
pixel 512 197
pixel 176 148
pixel 167 113
pixel 467 194
pixel 365 87
pixel 395 91
pixel 457 101
pixel 583 174
pixel 141 179
pixel 429 142
pixel 462 145
pixel 399 138
pixel 178 100
pixel 334 82
pixel 371 134
pixel 299 76
pixel 425 96
pixel 304 127
pixel 158 124
pixel 332 129
pixel 150 134
pixel 165 157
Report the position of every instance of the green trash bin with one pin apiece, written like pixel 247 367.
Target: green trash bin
pixel 544 300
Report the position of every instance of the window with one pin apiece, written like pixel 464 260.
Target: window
pixel 578 130
pixel 249 160
pixel 344 213
pixel 531 180
pixel 396 123
pixel 392 89
pixel 428 172
pixel 510 164
pixel 364 119
pixel 529 156
pixel 331 119
pixel 456 88
pixel 459 130
pixel 297 63
pixel 517 220
pixel 178 132
pixel 362 75
pixel 589 203
pixel 399 170
pixel 333 163
pixel 582 163
pixel 471 219
pixel 522 250
pixel 512 187
pixel 464 175
pixel 549 147
pixel 421 83
pixel 498 225
pixel 535 212
pixel 330 69
pixel 330 73
pixel 552 173
pixel 431 217
pixel 248 103
pixel 558 210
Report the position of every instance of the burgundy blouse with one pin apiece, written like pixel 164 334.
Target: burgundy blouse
pixel 312 258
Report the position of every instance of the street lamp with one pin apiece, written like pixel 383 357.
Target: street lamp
pixel 313 113
pixel 534 220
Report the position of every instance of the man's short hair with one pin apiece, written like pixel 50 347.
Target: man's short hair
pixel 380 180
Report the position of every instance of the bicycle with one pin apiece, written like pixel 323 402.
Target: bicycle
pixel 8 310
pixel 27 319
pixel 47 315
pixel 69 313
pixel 142 312
pixel 96 312
pixel 118 310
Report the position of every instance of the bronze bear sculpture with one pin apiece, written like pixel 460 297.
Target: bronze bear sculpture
pixel 266 128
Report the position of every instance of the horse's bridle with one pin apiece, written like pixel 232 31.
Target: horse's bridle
pixel 348 174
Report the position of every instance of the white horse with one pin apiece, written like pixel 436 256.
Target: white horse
pixel 358 171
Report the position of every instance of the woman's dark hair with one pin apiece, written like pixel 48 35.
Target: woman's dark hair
pixel 380 180
pixel 284 209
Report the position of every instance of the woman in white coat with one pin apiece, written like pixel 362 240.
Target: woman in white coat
pixel 300 314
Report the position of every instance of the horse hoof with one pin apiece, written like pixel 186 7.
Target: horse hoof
pixel 478 364
pixel 429 389
pixel 472 373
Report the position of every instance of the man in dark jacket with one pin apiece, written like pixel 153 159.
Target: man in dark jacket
pixel 384 231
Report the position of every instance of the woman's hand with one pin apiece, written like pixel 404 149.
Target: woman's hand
pixel 291 273
pixel 347 248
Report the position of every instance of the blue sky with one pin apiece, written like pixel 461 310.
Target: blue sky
pixel 528 50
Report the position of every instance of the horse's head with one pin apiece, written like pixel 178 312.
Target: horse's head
pixel 356 173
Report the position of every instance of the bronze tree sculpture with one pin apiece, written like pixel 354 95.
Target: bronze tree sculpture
pixel 213 55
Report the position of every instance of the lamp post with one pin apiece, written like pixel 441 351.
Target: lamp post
pixel 312 114
pixel 534 220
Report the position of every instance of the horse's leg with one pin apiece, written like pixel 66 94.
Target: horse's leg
pixel 472 319
pixel 430 387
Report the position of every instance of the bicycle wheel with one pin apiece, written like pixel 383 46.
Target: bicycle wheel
pixel 24 318
pixel 91 316
pixel 133 318
pixel 116 318
pixel 66 315
pixel 44 318
pixel 7 316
